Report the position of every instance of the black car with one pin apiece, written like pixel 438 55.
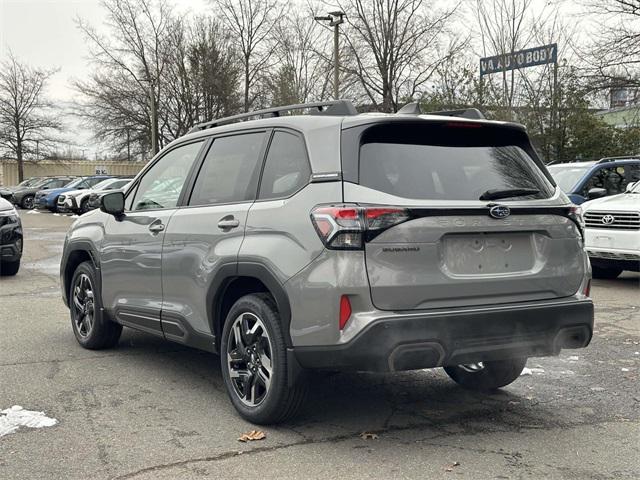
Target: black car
pixel 10 239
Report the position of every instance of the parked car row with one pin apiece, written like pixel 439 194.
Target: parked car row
pixel 62 193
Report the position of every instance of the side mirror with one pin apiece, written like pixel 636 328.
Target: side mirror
pixel 112 203
pixel 597 193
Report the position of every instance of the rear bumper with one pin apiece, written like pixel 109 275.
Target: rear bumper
pixel 455 337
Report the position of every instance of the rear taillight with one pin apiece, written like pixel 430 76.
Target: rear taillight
pixel 345 311
pixel 347 227
pixel 575 214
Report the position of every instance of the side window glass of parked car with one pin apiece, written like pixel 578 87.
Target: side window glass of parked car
pixel 612 179
pixel 230 170
pixel 286 169
pixel 160 187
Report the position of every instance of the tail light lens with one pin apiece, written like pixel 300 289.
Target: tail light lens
pixel 346 227
pixel 575 214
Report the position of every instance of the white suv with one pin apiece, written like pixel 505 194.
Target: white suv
pixel 612 235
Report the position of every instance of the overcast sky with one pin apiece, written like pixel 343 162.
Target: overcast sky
pixel 43 33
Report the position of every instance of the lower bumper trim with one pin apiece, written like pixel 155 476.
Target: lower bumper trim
pixel 453 338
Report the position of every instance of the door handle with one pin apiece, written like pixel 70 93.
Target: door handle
pixel 156 226
pixel 228 223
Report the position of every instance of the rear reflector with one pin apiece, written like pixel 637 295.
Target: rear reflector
pixel 345 310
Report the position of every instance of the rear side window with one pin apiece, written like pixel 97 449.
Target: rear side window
pixel 230 170
pixel 286 169
pixel 447 162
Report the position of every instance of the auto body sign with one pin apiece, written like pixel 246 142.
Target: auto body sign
pixel 520 59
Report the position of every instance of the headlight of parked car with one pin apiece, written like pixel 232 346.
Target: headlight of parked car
pixel 8 216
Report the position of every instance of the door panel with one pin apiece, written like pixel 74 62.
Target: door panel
pixel 131 268
pixel 195 248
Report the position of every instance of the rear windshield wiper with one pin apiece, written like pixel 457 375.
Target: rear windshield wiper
pixel 515 192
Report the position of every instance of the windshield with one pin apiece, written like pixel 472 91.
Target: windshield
pixel 74 183
pixel 103 185
pixel 29 182
pixel 566 176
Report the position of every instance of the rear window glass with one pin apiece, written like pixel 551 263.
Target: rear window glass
pixel 440 163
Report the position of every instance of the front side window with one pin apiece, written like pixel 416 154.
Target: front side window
pixel 286 169
pixel 230 170
pixel 160 187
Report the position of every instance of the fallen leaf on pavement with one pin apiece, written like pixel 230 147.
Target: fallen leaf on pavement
pixel 252 435
pixel 368 436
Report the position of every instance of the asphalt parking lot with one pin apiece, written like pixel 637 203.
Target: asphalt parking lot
pixel 155 410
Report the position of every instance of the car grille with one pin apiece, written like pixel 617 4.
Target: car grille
pixel 613 220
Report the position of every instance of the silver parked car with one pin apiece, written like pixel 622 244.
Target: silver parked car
pixel 337 241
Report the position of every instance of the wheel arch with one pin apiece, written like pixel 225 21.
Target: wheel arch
pixel 232 282
pixel 74 254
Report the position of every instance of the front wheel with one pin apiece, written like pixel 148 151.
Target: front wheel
pixel 253 358
pixel 487 376
pixel 9 269
pixel 92 328
pixel 28 202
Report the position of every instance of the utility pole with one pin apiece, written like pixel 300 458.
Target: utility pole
pixel 335 19
pixel 154 121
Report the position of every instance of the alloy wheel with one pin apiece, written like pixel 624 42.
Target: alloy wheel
pixel 28 202
pixel 249 359
pixel 83 305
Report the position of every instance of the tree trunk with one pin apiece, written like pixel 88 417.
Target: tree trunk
pixel 246 84
pixel 19 157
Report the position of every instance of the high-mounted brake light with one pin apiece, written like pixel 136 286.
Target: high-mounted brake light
pixel 463 125
pixel 346 227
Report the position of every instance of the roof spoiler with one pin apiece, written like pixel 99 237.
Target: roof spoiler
pixel 413 108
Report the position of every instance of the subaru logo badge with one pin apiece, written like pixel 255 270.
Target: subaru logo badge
pixel 608 219
pixel 499 211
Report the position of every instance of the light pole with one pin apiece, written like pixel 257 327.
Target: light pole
pixel 334 19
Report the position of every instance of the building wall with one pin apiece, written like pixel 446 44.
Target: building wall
pixel 43 168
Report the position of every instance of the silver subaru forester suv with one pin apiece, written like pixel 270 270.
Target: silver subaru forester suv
pixel 333 240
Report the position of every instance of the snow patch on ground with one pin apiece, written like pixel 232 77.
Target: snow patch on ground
pixel 32 212
pixel 15 417
pixel 531 371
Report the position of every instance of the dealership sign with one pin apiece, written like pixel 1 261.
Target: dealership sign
pixel 520 59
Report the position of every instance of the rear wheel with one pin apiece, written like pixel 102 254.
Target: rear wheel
pixel 91 327
pixel 253 358
pixel 605 272
pixel 487 376
pixel 27 202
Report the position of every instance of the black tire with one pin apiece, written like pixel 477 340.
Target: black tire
pixel 84 206
pixel 9 269
pixel 280 402
pixel 608 273
pixel 27 202
pixel 491 376
pixel 102 333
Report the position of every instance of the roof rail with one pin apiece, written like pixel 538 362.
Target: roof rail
pixel 621 157
pixel 330 107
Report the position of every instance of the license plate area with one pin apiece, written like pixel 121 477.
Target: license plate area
pixel 482 254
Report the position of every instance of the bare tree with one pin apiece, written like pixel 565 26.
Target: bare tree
pixel 129 70
pixel 27 120
pixel 302 48
pixel 394 46
pixel 614 55
pixel 251 23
